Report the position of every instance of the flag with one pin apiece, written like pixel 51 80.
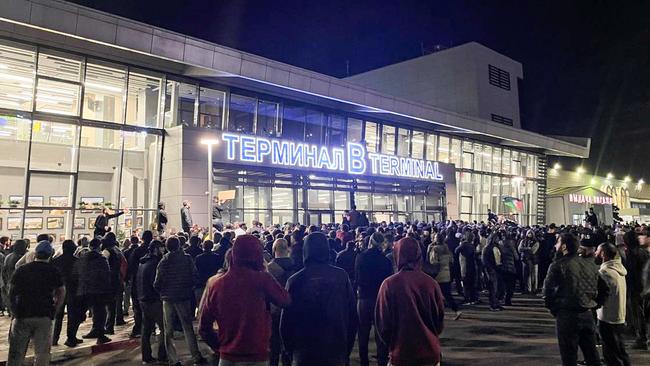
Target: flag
pixel 514 203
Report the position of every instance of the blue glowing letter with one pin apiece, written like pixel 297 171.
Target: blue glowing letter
pixel 356 158
pixel 247 152
pixel 231 140
pixel 280 152
pixel 263 149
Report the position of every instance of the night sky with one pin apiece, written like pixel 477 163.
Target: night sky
pixel 586 63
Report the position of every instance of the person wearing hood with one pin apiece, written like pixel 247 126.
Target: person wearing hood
pixel 150 303
pixel 611 316
pixel 528 248
pixel 320 325
pixel 19 249
pixel 410 307
pixel 346 259
pixel 94 277
pixel 116 263
pixel 281 268
pixel 466 252
pixel 65 263
pixel 238 303
pixel 371 268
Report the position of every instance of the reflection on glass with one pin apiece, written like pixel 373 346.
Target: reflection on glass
pixel 336 130
pixel 455 152
pixel 180 100
pixel 443 149
pixel 293 123
pixel 59 65
pixel 16 77
pixel 314 126
pixel 103 93
pixel 432 146
pixel 143 100
pixel 403 142
pixel 211 108
pixel 388 140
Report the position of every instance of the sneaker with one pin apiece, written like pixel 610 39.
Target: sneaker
pixel 103 339
pixel 458 315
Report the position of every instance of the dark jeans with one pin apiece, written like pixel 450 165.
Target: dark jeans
pixel 469 287
pixel 445 287
pixel 507 288
pixel 277 356
pixel 75 310
pixel 152 316
pixel 137 310
pixel 97 305
pixel 613 345
pixel 366 311
pixel 639 316
pixel 576 329
pixel 114 310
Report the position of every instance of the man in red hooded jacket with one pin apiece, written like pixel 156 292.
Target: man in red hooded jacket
pixel 410 310
pixel 237 303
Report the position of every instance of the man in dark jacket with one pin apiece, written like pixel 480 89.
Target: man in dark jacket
pixel 115 283
pixel 176 277
pixel 346 259
pixel 162 219
pixel 134 262
pixel 186 216
pixel 572 289
pixel 194 249
pixel 371 268
pixel 410 310
pixel 320 324
pixel 491 258
pixel 94 288
pixel 281 268
pixel 150 304
pixel 65 263
pixel 101 222
pixel 545 253
pixel 207 265
pixel 19 249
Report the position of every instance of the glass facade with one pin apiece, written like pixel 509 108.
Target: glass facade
pixel 80 133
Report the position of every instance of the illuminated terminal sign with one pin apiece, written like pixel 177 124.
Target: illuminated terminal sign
pixel 594 200
pixel 353 159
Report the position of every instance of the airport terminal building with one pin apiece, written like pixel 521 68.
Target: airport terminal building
pixel 98 110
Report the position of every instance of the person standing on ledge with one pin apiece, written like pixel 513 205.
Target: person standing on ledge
pixel 186 216
pixel 101 222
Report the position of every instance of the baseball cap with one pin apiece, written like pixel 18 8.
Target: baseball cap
pixel 44 247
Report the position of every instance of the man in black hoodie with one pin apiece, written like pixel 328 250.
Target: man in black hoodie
pixel 281 268
pixel 346 259
pixel 150 304
pixel 134 262
pixel 94 287
pixel 319 326
pixel 65 263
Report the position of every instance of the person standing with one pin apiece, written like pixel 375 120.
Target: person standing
pixel 207 265
pixel 491 258
pixel 150 303
pixel 545 253
pixel 134 262
pixel 94 288
pixel 118 269
pixel 101 222
pixel 410 311
pixel 19 249
pixel 65 263
pixel 162 219
pixel 346 259
pixel 238 302
pixel 572 289
pixel 441 259
pixel 217 213
pixel 281 268
pixel 176 277
pixel 611 317
pixel 528 249
pixel 186 216
pixel 36 293
pixel 637 257
pixel 466 252
pixel 371 268
pixel 508 269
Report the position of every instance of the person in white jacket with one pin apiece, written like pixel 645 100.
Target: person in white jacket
pixel 611 316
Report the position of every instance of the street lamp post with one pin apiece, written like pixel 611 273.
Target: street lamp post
pixel 210 143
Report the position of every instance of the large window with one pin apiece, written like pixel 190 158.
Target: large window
pixel 336 130
pixel 211 108
pixel 417 145
pixel 293 123
pixel 314 129
pixel 241 115
pixel 180 104
pixel 58 86
pixel 443 149
pixel 371 136
pixel 143 99
pixel 403 142
pixel 388 140
pixel 104 92
pixel 432 147
pixel 17 67
pixel 267 118
pixel 355 130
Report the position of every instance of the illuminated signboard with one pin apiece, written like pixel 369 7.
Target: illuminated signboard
pixel 594 200
pixel 353 159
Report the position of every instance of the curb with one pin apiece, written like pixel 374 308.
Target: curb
pixel 84 351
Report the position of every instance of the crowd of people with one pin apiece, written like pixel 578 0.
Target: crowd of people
pixel 294 294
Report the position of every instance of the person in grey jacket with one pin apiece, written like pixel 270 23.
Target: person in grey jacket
pixel 186 216
pixel 176 277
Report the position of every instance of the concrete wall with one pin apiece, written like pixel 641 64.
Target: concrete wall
pixel 455 79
